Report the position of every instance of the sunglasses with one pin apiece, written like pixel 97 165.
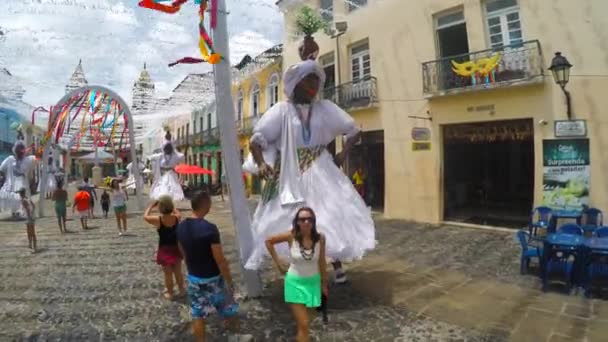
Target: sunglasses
pixel 306 219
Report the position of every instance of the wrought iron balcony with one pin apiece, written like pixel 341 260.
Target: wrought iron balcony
pixel 245 126
pixel 354 95
pixel 210 136
pixel 493 68
pixel 195 139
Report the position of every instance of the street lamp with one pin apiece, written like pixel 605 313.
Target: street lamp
pixel 560 67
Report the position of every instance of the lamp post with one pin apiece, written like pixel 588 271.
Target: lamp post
pixel 560 67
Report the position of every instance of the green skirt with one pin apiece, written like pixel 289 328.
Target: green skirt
pixel 303 290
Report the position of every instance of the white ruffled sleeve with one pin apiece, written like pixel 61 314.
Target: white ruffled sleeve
pixel 339 121
pixel 268 129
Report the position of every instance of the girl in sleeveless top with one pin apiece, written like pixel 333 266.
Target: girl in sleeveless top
pixel 306 276
pixel 168 255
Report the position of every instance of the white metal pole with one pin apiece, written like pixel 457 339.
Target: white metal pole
pixel 229 142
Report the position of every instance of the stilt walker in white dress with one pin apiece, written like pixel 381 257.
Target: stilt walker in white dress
pixel 51 183
pixel 166 180
pixel 131 183
pixel 289 147
pixel 17 170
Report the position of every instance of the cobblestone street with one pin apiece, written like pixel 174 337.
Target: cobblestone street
pixel 420 284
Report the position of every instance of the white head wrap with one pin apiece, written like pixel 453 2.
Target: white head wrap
pixel 18 142
pixel 297 72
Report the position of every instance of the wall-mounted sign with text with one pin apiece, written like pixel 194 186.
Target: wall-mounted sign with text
pixel 421 134
pixel 421 146
pixel 570 128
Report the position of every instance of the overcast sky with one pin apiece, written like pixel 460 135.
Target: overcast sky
pixel 43 40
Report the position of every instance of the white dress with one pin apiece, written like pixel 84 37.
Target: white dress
pixel 51 181
pixel 17 174
pixel 131 183
pixel 341 213
pixel 166 181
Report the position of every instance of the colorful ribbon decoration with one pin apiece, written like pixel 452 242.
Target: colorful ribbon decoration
pixel 101 112
pixel 204 43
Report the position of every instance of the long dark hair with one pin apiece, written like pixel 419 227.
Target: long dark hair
pixel 297 234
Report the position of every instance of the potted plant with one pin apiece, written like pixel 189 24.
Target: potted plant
pixel 309 22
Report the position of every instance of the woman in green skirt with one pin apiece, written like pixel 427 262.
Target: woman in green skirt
pixel 306 277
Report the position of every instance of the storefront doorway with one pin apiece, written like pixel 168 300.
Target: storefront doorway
pixel 489 172
pixel 369 155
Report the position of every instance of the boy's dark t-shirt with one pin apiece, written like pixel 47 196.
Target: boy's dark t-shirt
pixel 196 237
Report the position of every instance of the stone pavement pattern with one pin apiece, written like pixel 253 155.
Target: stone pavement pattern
pixel 421 284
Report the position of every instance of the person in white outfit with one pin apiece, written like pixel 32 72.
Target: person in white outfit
pixel 17 170
pixel 166 180
pixel 288 146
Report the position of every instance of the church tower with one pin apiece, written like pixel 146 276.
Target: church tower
pixel 77 80
pixel 143 93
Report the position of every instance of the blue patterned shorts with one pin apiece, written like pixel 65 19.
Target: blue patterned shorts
pixel 208 295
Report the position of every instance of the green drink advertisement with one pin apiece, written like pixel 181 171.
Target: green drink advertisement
pixel 566 173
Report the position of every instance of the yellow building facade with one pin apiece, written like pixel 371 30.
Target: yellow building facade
pixel 256 87
pixel 470 117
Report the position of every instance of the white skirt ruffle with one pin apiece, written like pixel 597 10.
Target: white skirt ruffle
pixel 9 198
pixel 342 216
pixel 167 184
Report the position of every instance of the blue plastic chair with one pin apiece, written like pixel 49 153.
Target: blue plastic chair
pixel 601 232
pixel 594 218
pixel 596 269
pixel 527 252
pixel 571 228
pixel 540 218
pixel 559 262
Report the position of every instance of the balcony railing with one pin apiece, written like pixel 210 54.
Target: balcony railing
pixel 492 68
pixel 245 126
pixel 353 95
pixel 210 136
pixel 195 139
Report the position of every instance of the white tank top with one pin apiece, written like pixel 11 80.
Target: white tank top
pixel 304 262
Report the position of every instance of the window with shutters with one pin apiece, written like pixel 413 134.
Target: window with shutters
pixel 355 4
pixel 360 62
pixel 255 101
pixel 327 10
pixel 273 90
pixel 239 106
pixel 503 23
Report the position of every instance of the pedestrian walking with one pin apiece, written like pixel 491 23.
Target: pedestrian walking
pixel 209 281
pixel 306 276
pixel 93 194
pixel 60 198
pixel 30 223
pixel 168 255
pixel 82 203
pixel 105 203
pixel 119 202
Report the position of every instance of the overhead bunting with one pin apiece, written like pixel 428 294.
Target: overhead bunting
pixel 205 44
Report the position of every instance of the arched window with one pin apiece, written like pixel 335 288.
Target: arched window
pixel 239 106
pixel 273 90
pixel 255 101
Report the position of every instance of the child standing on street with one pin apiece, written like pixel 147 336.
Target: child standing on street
pixel 82 203
pixel 30 224
pixel 105 203
pixel 210 286
pixel 60 197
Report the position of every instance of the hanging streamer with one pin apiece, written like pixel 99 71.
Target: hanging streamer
pixel 205 44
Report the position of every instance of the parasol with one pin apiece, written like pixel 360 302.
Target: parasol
pixel 185 169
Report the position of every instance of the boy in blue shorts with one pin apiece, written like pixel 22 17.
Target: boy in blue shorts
pixel 210 286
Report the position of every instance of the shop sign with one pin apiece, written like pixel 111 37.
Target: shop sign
pixel 421 146
pixel 421 134
pixel 570 128
pixel 566 173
